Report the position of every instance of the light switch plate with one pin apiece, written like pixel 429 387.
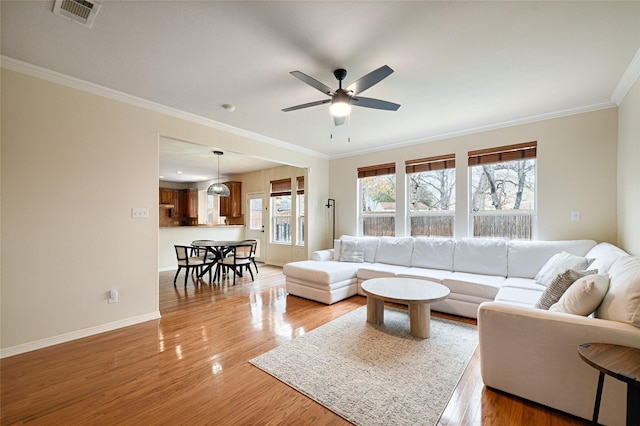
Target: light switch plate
pixel 139 213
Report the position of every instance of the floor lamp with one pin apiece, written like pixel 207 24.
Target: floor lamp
pixel 331 203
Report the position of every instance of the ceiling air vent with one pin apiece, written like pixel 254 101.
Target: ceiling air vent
pixel 80 11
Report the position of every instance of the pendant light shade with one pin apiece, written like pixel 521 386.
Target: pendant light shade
pixel 219 189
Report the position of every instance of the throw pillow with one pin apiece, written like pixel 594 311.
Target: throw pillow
pixel 558 286
pixel 583 296
pixel 558 263
pixel 622 301
pixel 352 251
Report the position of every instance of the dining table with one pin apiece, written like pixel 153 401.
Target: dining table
pixel 218 249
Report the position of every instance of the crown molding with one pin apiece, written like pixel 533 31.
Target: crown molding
pixel 487 128
pixel 85 86
pixel 628 79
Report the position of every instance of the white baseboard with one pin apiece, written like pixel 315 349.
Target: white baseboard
pixel 74 335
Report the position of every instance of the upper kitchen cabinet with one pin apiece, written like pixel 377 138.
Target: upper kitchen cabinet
pixel 166 196
pixel 231 206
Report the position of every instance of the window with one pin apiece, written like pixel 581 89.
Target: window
pixel 503 189
pixel 377 189
pixel 431 195
pixel 281 211
pixel 300 210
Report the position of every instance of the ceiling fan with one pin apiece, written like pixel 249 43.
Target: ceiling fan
pixel 342 99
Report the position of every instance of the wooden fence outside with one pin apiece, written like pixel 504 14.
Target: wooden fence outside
pixel 516 226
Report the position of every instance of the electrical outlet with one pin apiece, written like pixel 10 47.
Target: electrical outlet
pixel 113 296
pixel 139 213
pixel 575 215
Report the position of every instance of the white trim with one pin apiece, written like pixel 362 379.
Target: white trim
pixel 75 83
pixel 167 268
pixel 628 79
pixel 74 335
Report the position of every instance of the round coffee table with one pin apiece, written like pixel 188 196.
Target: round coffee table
pixel 418 294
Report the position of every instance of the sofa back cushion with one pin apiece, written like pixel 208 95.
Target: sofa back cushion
pixel 526 258
pixel 433 253
pixel 370 247
pixel 622 301
pixel 604 255
pixel 395 251
pixel 481 256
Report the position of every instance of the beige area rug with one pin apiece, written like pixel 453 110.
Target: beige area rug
pixel 376 375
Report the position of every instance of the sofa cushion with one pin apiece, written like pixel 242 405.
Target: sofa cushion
pixel 559 263
pixel 379 270
pixel 370 246
pixel 352 251
pixel 433 253
pixel 321 272
pixel 605 255
pixel 526 258
pixel 524 283
pixel 435 275
pixel 395 251
pixel 485 286
pixel 519 296
pixel 558 286
pixel 622 301
pixel 481 256
pixel 583 296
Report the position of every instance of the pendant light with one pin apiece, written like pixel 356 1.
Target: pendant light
pixel 218 188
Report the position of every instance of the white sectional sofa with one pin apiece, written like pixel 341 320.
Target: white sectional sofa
pixel 528 352
pixel 475 270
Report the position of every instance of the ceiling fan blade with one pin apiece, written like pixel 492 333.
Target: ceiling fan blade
pixel 338 121
pixel 370 79
pixel 313 83
pixel 307 105
pixel 374 103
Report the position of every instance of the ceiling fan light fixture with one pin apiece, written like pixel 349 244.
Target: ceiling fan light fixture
pixel 340 108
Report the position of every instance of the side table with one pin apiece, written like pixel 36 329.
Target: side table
pixel 621 362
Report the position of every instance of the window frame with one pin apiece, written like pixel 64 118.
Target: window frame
pixel 280 190
pixel 426 165
pixel 300 221
pixel 499 155
pixel 376 171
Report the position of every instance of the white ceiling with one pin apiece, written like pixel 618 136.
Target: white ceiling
pixel 459 66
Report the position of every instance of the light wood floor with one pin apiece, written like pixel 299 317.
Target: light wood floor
pixel 190 367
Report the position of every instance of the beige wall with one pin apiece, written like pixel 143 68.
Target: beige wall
pixel 73 165
pixel 629 171
pixel 576 171
pixel 276 254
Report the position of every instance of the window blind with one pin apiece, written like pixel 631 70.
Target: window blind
pixel 499 154
pixel 379 170
pixel 440 162
pixel 280 187
pixel 300 184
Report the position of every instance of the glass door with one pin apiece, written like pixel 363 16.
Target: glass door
pixel 257 208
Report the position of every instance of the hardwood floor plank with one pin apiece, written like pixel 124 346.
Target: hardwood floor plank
pixel 191 367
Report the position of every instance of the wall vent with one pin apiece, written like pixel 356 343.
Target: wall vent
pixel 80 11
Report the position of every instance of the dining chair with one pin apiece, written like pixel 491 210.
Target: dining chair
pixel 253 253
pixel 186 260
pixel 239 258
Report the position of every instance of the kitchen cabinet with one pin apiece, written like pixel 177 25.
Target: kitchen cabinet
pixel 231 206
pixel 192 204
pixel 166 196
